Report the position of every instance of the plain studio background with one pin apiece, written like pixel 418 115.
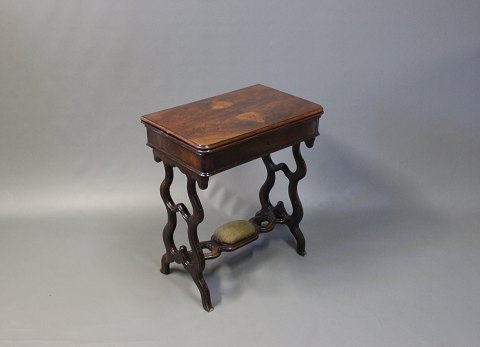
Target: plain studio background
pixel 391 196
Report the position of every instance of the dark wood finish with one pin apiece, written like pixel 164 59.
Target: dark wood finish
pixel 230 117
pixel 270 215
pixel 215 134
pixel 193 261
pixel 276 120
pixel 208 163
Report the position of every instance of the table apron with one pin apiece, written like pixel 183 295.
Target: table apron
pixel 205 163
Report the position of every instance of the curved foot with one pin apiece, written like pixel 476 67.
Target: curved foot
pixel 165 268
pixel 297 233
pixel 204 292
pixel 208 308
pixel 301 252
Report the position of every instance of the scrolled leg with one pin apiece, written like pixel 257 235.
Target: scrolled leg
pixel 297 209
pixel 193 261
pixel 197 264
pixel 169 228
pixel 279 214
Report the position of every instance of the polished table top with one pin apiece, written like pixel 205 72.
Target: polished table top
pixel 226 118
pixel 208 136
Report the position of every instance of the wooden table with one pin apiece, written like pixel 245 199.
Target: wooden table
pixel 209 136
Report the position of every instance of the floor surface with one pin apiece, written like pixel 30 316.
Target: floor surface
pixel 398 277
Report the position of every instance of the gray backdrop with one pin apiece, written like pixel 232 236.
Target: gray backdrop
pixel 391 196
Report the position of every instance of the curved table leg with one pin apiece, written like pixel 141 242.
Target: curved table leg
pixel 293 220
pixel 197 263
pixel 193 261
pixel 297 209
pixel 169 228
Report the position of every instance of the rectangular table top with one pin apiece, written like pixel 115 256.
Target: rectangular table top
pixel 224 119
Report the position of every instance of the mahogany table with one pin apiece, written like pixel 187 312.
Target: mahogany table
pixel 209 136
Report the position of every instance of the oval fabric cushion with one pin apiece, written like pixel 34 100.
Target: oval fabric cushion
pixel 234 231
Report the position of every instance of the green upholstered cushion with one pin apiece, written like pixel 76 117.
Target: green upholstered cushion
pixel 234 231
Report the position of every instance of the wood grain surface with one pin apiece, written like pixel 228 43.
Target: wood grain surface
pixel 226 118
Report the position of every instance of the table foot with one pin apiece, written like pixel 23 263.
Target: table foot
pixel 204 291
pixel 298 235
pixel 165 267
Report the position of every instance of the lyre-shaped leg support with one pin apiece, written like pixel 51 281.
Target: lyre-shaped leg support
pixel 272 215
pixel 193 261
